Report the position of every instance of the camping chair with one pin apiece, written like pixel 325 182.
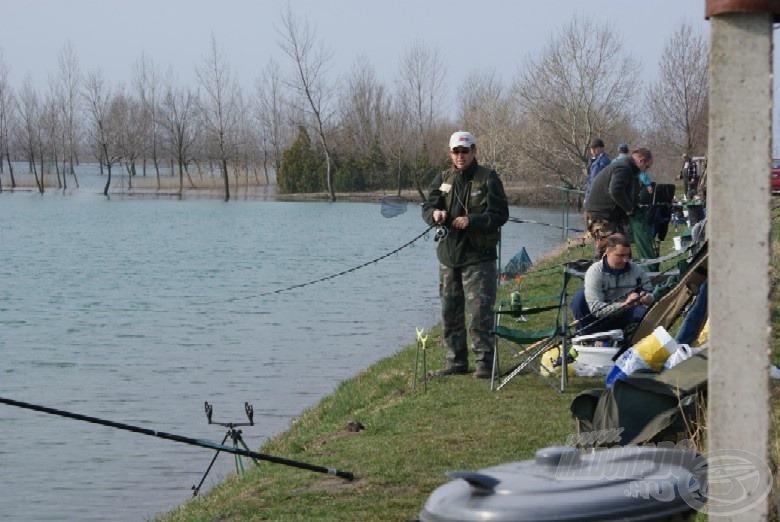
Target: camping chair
pixel 535 341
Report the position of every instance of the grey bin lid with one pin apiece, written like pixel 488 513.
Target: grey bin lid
pixel 566 484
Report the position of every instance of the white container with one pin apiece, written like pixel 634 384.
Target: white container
pixel 595 361
pixel 677 242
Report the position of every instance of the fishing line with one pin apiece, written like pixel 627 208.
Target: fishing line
pixel 348 475
pixel 531 222
pixel 333 276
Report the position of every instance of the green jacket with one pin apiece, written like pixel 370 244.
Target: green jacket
pixel 481 192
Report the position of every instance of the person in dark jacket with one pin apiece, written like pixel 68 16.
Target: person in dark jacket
pixel 613 197
pixel 469 206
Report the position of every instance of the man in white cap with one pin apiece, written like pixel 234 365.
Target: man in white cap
pixel 468 205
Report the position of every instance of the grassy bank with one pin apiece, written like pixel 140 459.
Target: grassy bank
pixel 411 436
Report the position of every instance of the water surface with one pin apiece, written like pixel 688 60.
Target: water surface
pixel 139 311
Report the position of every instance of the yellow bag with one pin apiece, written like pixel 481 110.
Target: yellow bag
pixel 656 348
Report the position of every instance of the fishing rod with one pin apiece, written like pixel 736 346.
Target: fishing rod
pixel 531 222
pixel 392 206
pixel 348 475
pixel 636 288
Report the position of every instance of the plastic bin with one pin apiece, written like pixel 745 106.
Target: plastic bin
pixel 595 352
pixel 563 483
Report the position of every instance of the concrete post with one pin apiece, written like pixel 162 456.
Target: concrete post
pixel 738 209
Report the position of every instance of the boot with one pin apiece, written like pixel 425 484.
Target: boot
pixel 450 370
pixel 483 371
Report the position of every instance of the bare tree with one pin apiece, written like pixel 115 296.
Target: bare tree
pixel 298 42
pixel 7 115
pixel 581 86
pixel 363 107
pixel 51 120
pixel 29 115
pixel 103 124
pixel 486 109
pixel 220 105
pixel 147 83
pixel 677 101
pixel 178 119
pixel 70 83
pixel 245 159
pixel 421 90
pixel 397 141
pixel 275 128
pixel 129 113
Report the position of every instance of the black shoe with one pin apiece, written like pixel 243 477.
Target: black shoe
pixel 451 370
pixel 483 372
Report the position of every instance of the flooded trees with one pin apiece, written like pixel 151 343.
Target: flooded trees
pixel 219 108
pixel 103 125
pixel 298 43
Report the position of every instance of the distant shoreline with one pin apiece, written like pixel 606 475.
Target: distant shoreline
pixel 517 195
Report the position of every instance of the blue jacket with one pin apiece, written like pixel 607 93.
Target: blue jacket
pixel 596 165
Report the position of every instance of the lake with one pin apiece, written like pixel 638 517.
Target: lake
pixel 139 311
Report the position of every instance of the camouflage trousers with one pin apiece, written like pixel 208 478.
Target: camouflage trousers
pixel 469 289
pixel 600 229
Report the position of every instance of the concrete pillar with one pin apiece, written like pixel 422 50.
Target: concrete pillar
pixel 738 210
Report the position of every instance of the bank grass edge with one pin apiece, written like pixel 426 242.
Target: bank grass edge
pixel 414 431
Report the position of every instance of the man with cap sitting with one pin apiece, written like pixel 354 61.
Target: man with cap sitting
pixel 468 205
pixel 598 160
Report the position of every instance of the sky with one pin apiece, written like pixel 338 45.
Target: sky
pixel 491 36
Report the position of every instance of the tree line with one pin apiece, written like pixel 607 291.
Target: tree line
pixel 319 134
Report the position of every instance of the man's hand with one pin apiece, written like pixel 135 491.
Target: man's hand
pixel 631 300
pixel 439 216
pixel 638 298
pixel 461 222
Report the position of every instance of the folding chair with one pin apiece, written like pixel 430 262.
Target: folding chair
pixel 537 341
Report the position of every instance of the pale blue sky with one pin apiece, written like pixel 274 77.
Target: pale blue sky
pixel 492 35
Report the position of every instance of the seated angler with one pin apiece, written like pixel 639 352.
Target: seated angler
pixel 616 292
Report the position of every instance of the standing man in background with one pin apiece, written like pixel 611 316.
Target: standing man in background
pixel 622 152
pixel 689 176
pixel 468 204
pixel 614 197
pixel 598 160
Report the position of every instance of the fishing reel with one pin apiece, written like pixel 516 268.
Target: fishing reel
pixel 441 233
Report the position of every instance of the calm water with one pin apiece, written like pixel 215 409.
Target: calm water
pixel 139 311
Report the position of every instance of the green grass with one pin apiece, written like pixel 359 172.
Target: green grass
pixel 411 436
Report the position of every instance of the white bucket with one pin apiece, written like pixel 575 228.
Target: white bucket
pixel 677 242
pixel 594 361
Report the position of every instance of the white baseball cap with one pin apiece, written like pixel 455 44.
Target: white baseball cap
pixel 462 139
